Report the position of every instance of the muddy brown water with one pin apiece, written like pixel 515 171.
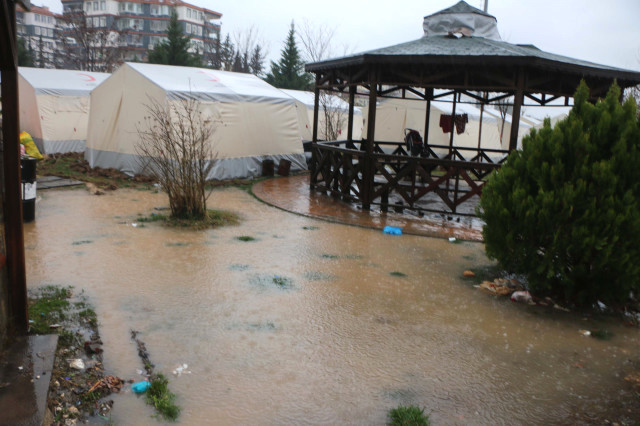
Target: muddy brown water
pixel 341 342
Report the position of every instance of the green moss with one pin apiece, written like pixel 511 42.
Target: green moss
pixel 245 238
pixel 214 219
pixel 162 399
pixel 397 274
pixel 410 415
pixel 329 256
pixel 47 307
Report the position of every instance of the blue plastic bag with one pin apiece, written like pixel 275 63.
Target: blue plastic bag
pixel 392 230
pixel 140 387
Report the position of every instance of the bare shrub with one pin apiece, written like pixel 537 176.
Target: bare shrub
pixel 175 148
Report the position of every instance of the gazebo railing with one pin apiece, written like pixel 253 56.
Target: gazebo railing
pixel 444 179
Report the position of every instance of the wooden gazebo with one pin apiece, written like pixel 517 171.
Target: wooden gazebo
pixel 460 57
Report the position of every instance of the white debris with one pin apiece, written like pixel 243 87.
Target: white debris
pixel 181 369
pixel 584 332
pixel 78 364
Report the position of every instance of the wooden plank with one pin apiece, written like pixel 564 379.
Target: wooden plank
pixel 16 271
pixel 515 117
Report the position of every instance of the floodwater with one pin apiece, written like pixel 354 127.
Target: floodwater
pixel 341 341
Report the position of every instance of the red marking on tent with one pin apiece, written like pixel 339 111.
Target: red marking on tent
pixel 212 77
pixel 89 77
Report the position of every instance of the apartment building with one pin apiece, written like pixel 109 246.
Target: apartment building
pixel 38 28
pixel 146 22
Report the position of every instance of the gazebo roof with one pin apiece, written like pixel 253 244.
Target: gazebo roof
pixel 450 50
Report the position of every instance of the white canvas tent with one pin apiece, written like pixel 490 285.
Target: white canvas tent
pixel 253 121
pixel 393 115
pixel 337 108
pixel 54 107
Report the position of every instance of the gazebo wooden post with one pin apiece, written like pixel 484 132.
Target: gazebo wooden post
pixel 484 97
pixel 453 122
pixel 352 99
pixel 427 119
pixel 13 226
pixel 314 138
pixel 368 172
pixel 517 105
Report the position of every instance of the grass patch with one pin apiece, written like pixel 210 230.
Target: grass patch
pixel 177 244
pixel 245 238
pixel 79 243
pixel 329 256
pixel 397 274
pixel 74 166
pixel 48 307
pixel 162 399
pixel 310 228
pixel 214 219
pixel 409 415
pixel 602 334
pixel 90 316
pixel 282 282
pixel 153 217
pixel 238 267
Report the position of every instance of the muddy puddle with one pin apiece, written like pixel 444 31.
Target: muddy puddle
pixel 308 322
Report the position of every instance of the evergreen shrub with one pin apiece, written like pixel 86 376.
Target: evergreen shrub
pixel 565 210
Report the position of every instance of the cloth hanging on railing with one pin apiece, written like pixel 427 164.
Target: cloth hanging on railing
pixel 447 124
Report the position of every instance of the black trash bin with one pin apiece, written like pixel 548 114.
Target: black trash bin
pixel 28 178
pixel 267 167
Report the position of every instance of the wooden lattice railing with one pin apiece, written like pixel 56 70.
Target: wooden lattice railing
pixel 442 179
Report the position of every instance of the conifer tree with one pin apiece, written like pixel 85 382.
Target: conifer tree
pixel 174 50
pixel 289 73
pixel 565 211
pixel 25 54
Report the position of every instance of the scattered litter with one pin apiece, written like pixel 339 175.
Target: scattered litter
pixel 584 332
pixel 602 306
pixel 469 274
pixel 452 239
pixel 54 326
pixel 522 297
pixel 20 368
pixel 31 322
pixel 73 410
pixel 135 225
pixel 37 377
pixel 495 288
pixel 78 364
pixel 140 387
pixel 560 308
pixel 141 372
pixel 392 230
pixel 181 369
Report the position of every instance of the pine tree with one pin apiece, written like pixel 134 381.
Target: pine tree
pixel 227 54
pixel 25 54
pixel 289 73
pixel 256 63
pixel 565 211
pixel 174 50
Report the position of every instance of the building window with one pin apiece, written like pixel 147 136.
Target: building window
pixel 96 5
pixel 188 13
pixel 89 22
pixel 103 21
pixel 50 32
pixel 155 9
pixel 164 10
pixel 188 28
pixel 37 30
pixel 87 6
pixel 130 7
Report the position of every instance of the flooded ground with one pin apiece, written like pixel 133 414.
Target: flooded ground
pixel 312 322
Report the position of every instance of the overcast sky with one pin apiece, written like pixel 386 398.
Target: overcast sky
pixel 601 31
